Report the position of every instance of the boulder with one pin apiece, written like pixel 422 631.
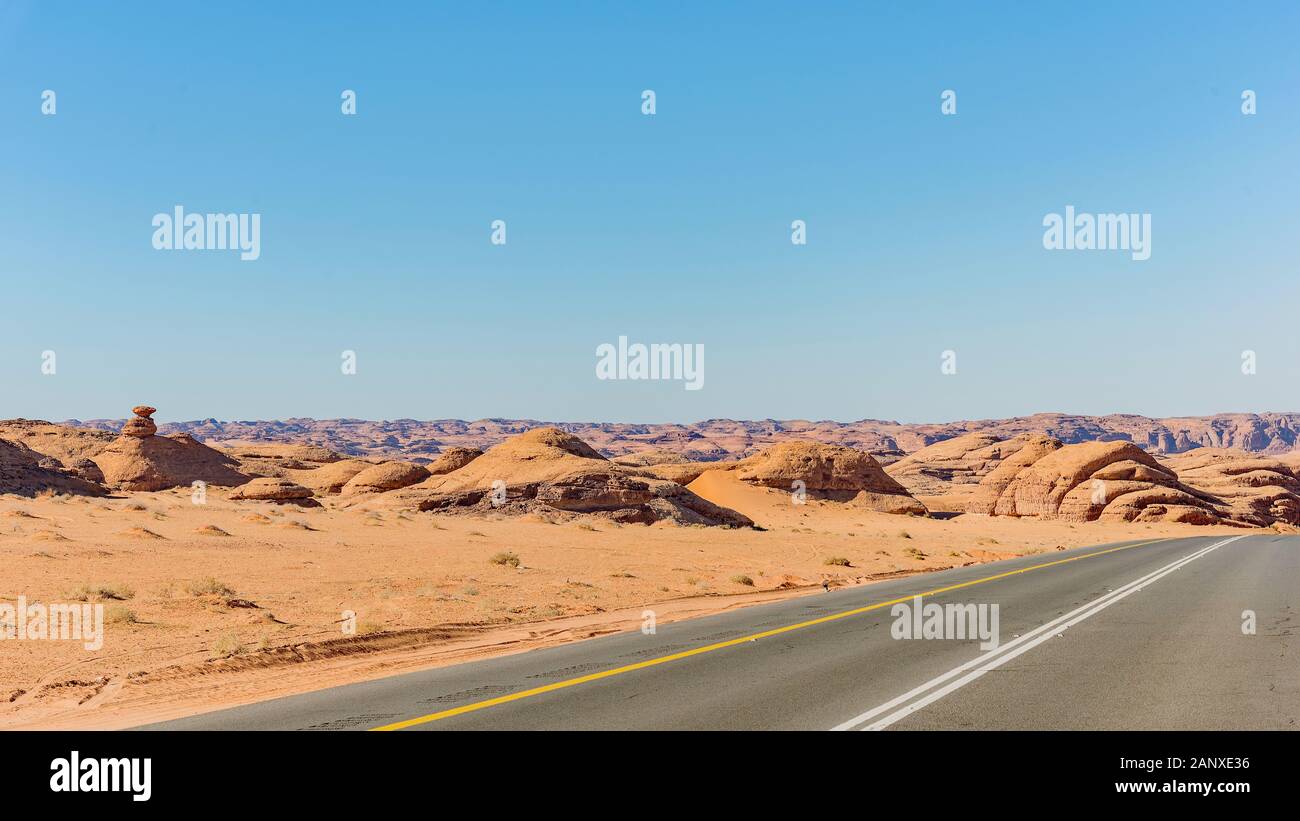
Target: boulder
pixel 277 490
pixel 385 477
pixel 452 459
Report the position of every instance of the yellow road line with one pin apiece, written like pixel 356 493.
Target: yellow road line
pixel 641 665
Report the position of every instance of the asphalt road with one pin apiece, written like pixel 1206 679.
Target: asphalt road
pixel 1137 635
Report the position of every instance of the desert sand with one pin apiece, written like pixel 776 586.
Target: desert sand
pixel 231 602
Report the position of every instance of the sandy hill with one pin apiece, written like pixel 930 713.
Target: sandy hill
pixel 548 470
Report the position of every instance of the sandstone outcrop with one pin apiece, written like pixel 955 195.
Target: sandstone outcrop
pixel 140 425
pixel 25 472
pixel 385 477
pixel 1259 490
pixel 146 462
pixel 829 472
pixel 274 489
pixel 1089 481
pixel 548 470
pixel 63 442
pixel 452 459
pixel 954 465
pixel 328 478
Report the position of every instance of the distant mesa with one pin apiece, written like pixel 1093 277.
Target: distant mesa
pixel 722 440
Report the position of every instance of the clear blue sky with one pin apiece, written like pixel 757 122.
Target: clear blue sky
pixel 925 231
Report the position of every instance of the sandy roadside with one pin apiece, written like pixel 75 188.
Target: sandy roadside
pixel 234 602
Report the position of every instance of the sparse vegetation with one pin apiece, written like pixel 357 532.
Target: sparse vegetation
pixel 227 646
pixel 903 534
pixel 118 614
pixel 837 561
pixel 102 592
pixel 208 587
pixel 741 578
pixel 505 558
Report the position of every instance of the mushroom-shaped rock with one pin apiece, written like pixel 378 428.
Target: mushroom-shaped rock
pixel 140 425
pixel 139 460
pixel 384 477
pixel 280 491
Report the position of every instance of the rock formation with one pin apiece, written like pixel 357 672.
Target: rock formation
pixel 1089 481
pixel 828 472
pixel 385 477
pixel 328 478
pixel 273 459
pixel 140 460
pixel 1259 490
pixel 274 489
pixel 954 465
pixel 452 459
pixel 64 443
pixel 140 425
pixel 25 472
pixel 547 470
